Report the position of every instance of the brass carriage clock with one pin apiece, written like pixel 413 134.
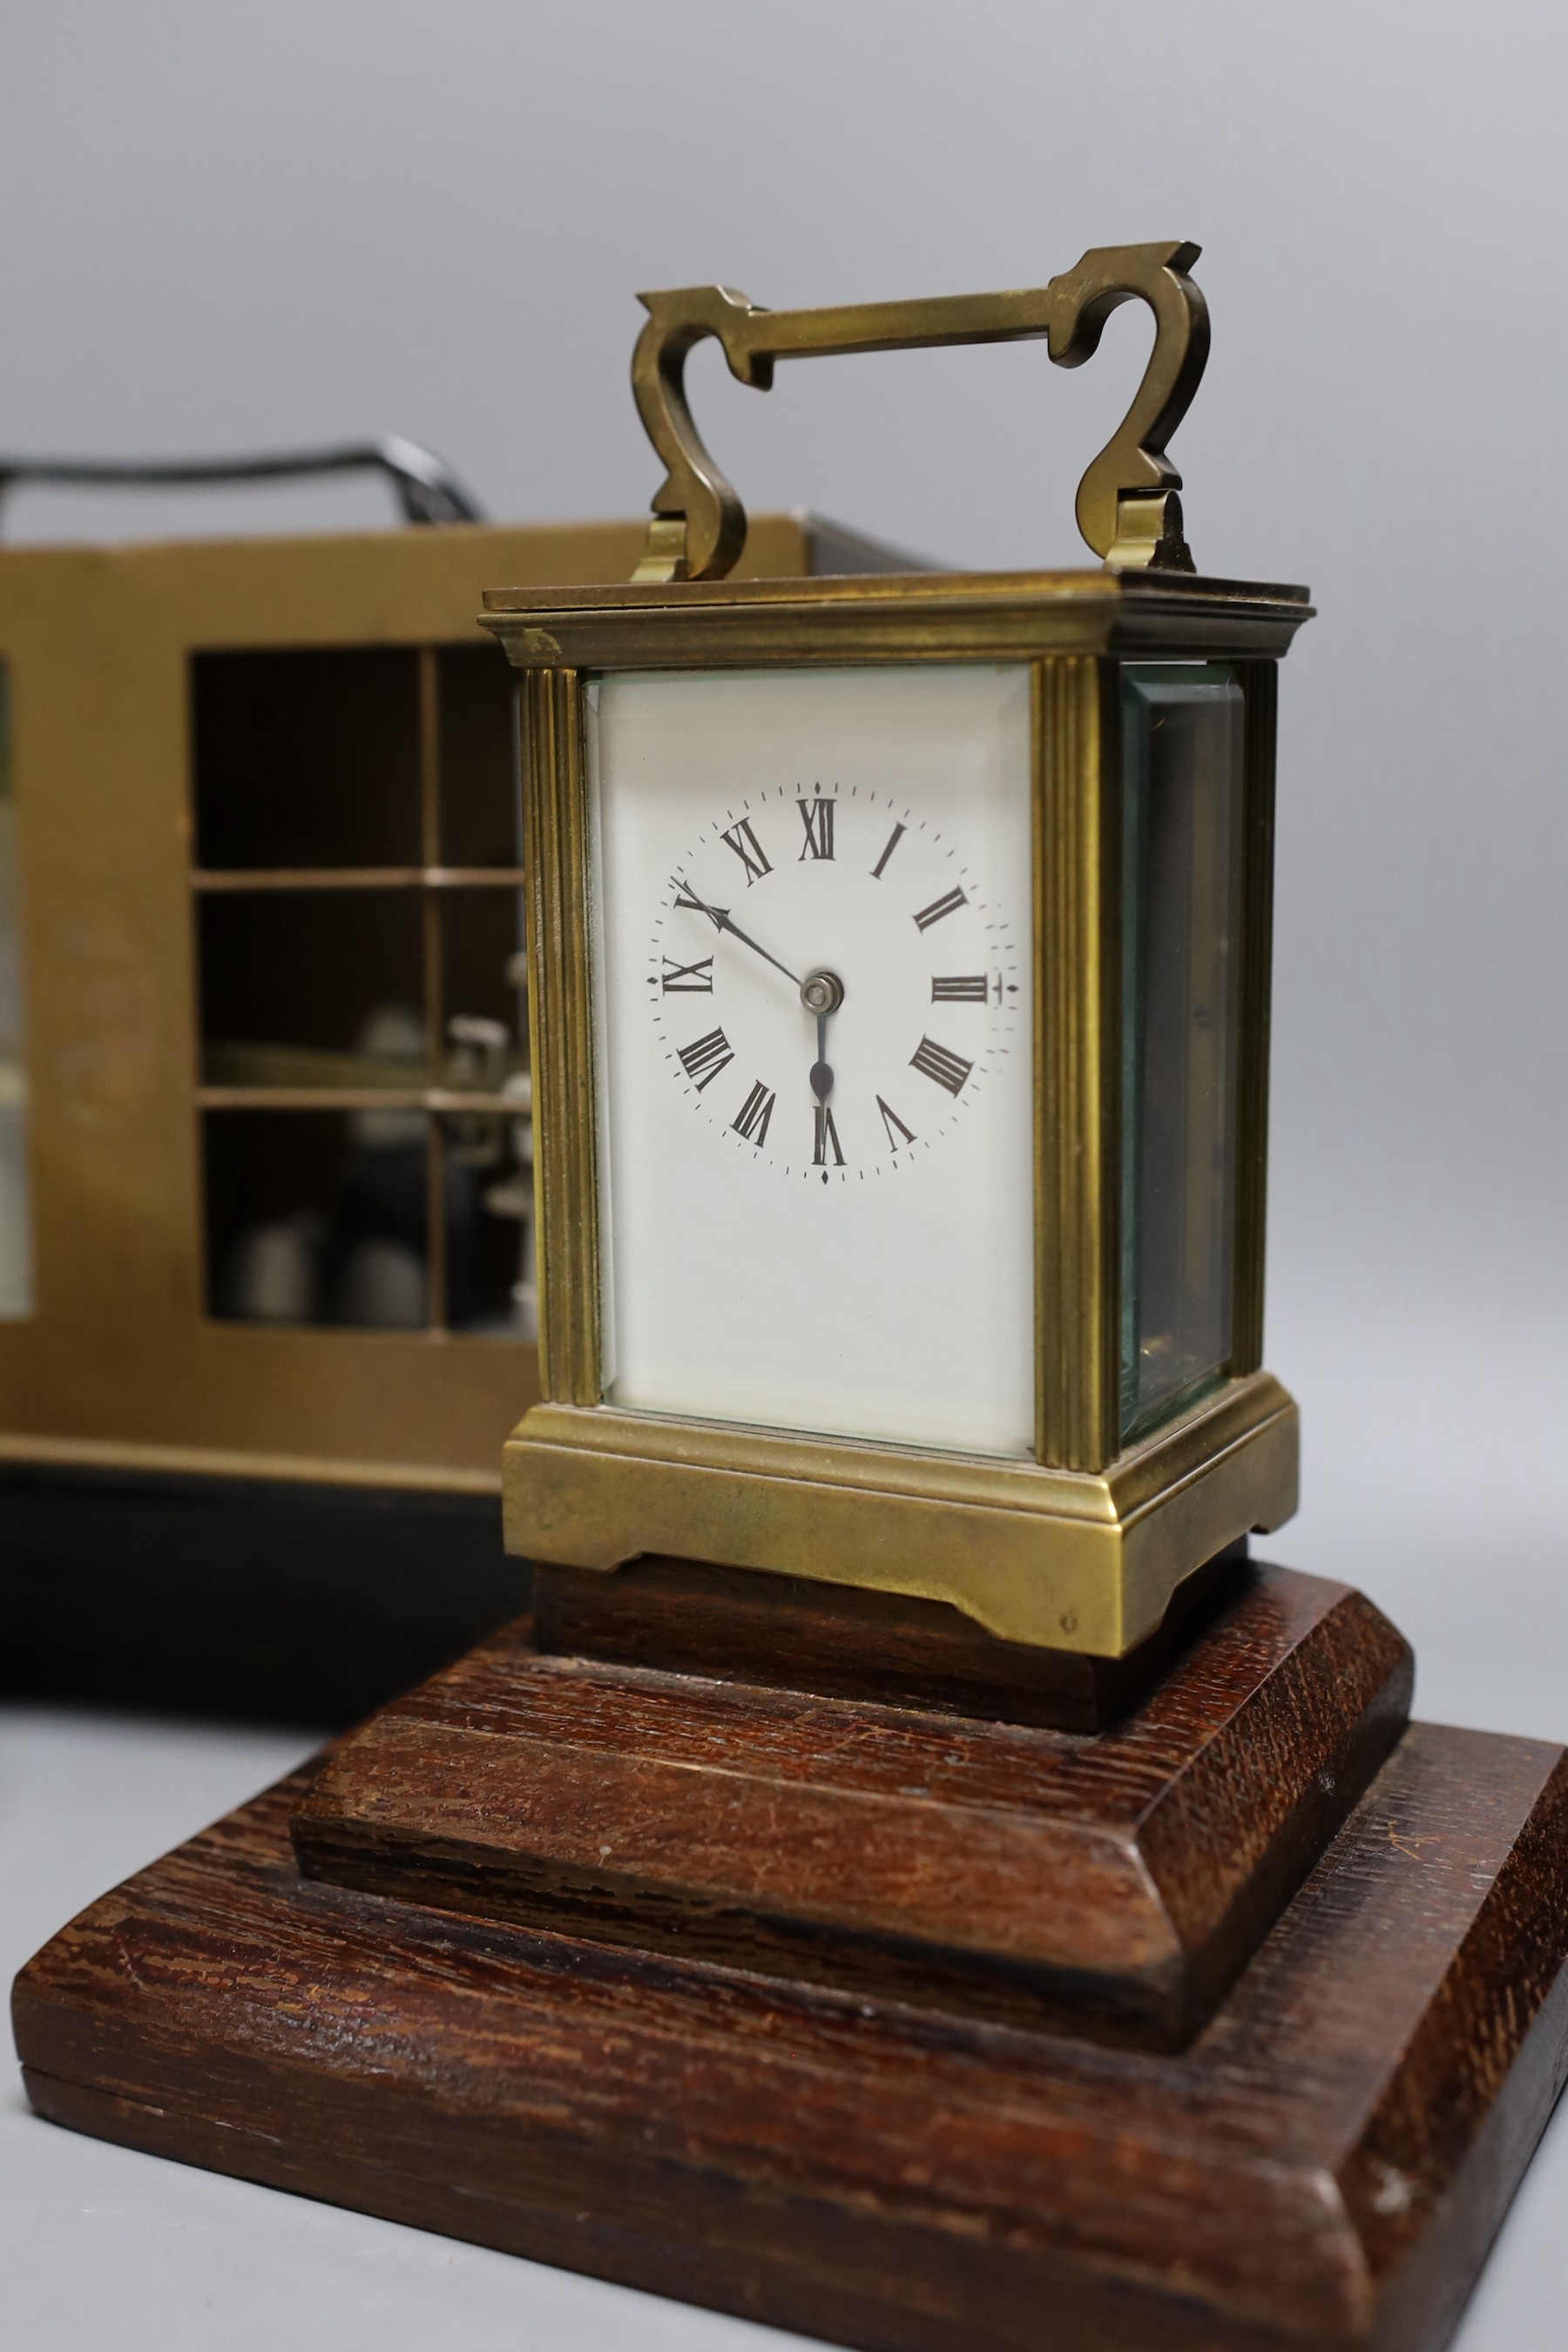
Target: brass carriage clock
pixel 913 1880
pixel 900 965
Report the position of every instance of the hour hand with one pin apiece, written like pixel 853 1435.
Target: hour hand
pixel 821 1069
pixel 821 993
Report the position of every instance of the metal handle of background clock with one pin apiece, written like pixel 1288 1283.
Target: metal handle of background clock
pixel 1128 510
pixel 428 491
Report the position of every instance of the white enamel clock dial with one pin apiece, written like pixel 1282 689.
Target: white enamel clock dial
pixel 813 1009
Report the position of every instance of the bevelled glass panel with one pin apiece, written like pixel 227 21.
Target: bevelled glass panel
pixel 1182 747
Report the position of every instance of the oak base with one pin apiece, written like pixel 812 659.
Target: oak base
pixel 1113 1884
pixel 1324 2167
pixel 839 1640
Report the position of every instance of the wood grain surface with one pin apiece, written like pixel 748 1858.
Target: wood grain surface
pixel 1324 2167
pixel 841 1641
pixel 1111 1884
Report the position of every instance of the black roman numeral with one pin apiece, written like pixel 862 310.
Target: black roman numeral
pixel 934 1061
pixel 748 849
pixel 967 989
pixel 939 907
pixel 716 915
pixel 817 818
pixel 756 1113
pixel 892 843
pixel 890 1120
pixel 688 979
pixel 827 1133
pixel 705 1057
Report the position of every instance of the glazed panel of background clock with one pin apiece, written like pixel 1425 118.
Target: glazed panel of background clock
pixel 820 1229
pixel 366 1132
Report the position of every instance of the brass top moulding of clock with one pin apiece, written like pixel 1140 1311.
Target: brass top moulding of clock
pixel 899 969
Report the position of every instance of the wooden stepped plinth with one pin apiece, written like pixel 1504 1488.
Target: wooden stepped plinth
pixel 1232 2025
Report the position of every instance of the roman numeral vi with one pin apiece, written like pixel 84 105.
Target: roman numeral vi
pixel 827 1133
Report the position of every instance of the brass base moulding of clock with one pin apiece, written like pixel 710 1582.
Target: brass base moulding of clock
pixel 914 1879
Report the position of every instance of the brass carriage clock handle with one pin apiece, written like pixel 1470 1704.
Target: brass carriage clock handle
pixel 1128 510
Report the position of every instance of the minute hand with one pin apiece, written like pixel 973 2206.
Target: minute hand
pixel 720 920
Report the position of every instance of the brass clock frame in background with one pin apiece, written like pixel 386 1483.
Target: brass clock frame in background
pixel 1082 1547
pixel 121 1367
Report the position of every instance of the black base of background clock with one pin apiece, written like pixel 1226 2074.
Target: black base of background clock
pixel 240 1599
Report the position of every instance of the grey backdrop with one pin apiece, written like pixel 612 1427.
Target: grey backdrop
pixel 226 225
